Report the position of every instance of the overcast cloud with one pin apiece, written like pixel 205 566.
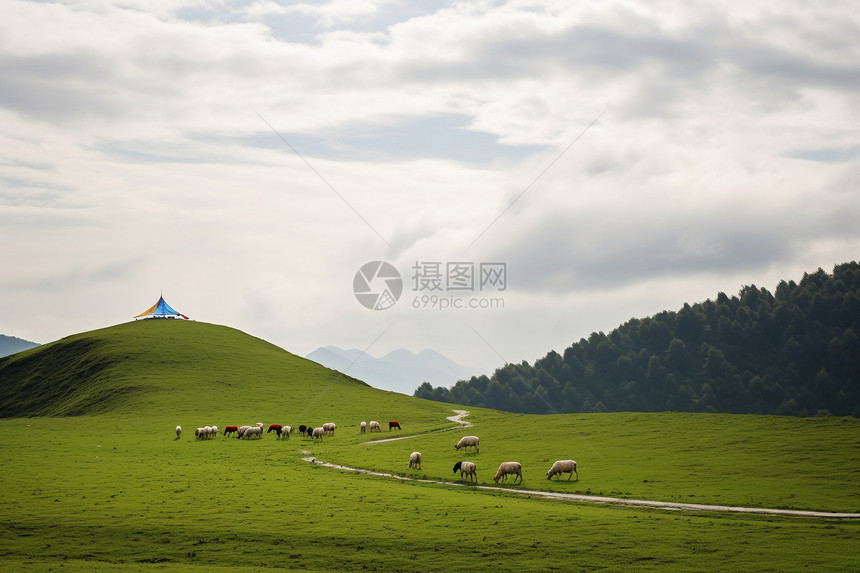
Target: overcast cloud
pixel 246 158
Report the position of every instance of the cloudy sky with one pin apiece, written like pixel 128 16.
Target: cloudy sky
pixel 247 158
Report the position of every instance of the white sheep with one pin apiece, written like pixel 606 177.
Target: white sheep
pixel 363 426
pixel 214 431
pixel 374 425
pixel 252 432
pixel 240 431
pixel 509 468
pixel 415 460
pixel 467 441
pixel 467 469
pixel 201 433
pixel 562 467
pixel 178 430
pixel 318 433
pixel 285 432
pixel 329 428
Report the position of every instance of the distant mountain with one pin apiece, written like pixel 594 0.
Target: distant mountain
pixel 399 371
pixel 11 345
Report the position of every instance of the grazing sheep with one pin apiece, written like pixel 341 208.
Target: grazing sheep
pixel 309 431
pixel 318 433
pixel 363 427
pixel 285 432
pixel 509 468
pixel 276 428
pixel 230 429
pixel 562 467
pixel 178 431
pixel 415 460
pixel 467 441
pixel 241 430
pixel 252 431
pixel 468 469
pixel 329 427
pixel 214 431
pixel 374 425
pixel 201 433
pixel 394 424
pixel 261 425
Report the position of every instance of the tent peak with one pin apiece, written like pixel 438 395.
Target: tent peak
pixel 161 310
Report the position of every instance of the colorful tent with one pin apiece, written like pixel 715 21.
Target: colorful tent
pixel 160 310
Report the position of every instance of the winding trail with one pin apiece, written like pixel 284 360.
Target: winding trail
pixel 596 499
pixel 460 414
pixel 458 418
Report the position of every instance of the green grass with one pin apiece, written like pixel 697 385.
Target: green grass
pixel 758 461
pixel 115 490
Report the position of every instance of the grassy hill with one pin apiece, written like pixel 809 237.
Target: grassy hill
pixel 101 482
pixel 179 369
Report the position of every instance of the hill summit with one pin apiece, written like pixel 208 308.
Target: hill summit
pixel 163 366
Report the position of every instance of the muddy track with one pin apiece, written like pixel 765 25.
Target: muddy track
pixel 596 499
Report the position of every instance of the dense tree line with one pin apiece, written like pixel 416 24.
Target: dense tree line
pixel 792 352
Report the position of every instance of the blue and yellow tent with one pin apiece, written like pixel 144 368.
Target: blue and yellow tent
pixel 160 310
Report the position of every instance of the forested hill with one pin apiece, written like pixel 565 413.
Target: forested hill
pixel 794 352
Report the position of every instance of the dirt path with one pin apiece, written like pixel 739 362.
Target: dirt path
pixel 668 505
pixel 458 418
pixel 460 414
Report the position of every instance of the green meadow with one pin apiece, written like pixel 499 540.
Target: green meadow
pixel 96 479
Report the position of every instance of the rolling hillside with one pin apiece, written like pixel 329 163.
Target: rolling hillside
pixel 99 410
pixel 173 367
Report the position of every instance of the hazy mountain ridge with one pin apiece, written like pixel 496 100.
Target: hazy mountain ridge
pixel 400 370
pixel 11 345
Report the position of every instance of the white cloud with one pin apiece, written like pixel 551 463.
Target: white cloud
pixel 135 160
pixel 337 12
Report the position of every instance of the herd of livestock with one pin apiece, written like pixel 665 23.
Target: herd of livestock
pixel 256 431
pixel 467 469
